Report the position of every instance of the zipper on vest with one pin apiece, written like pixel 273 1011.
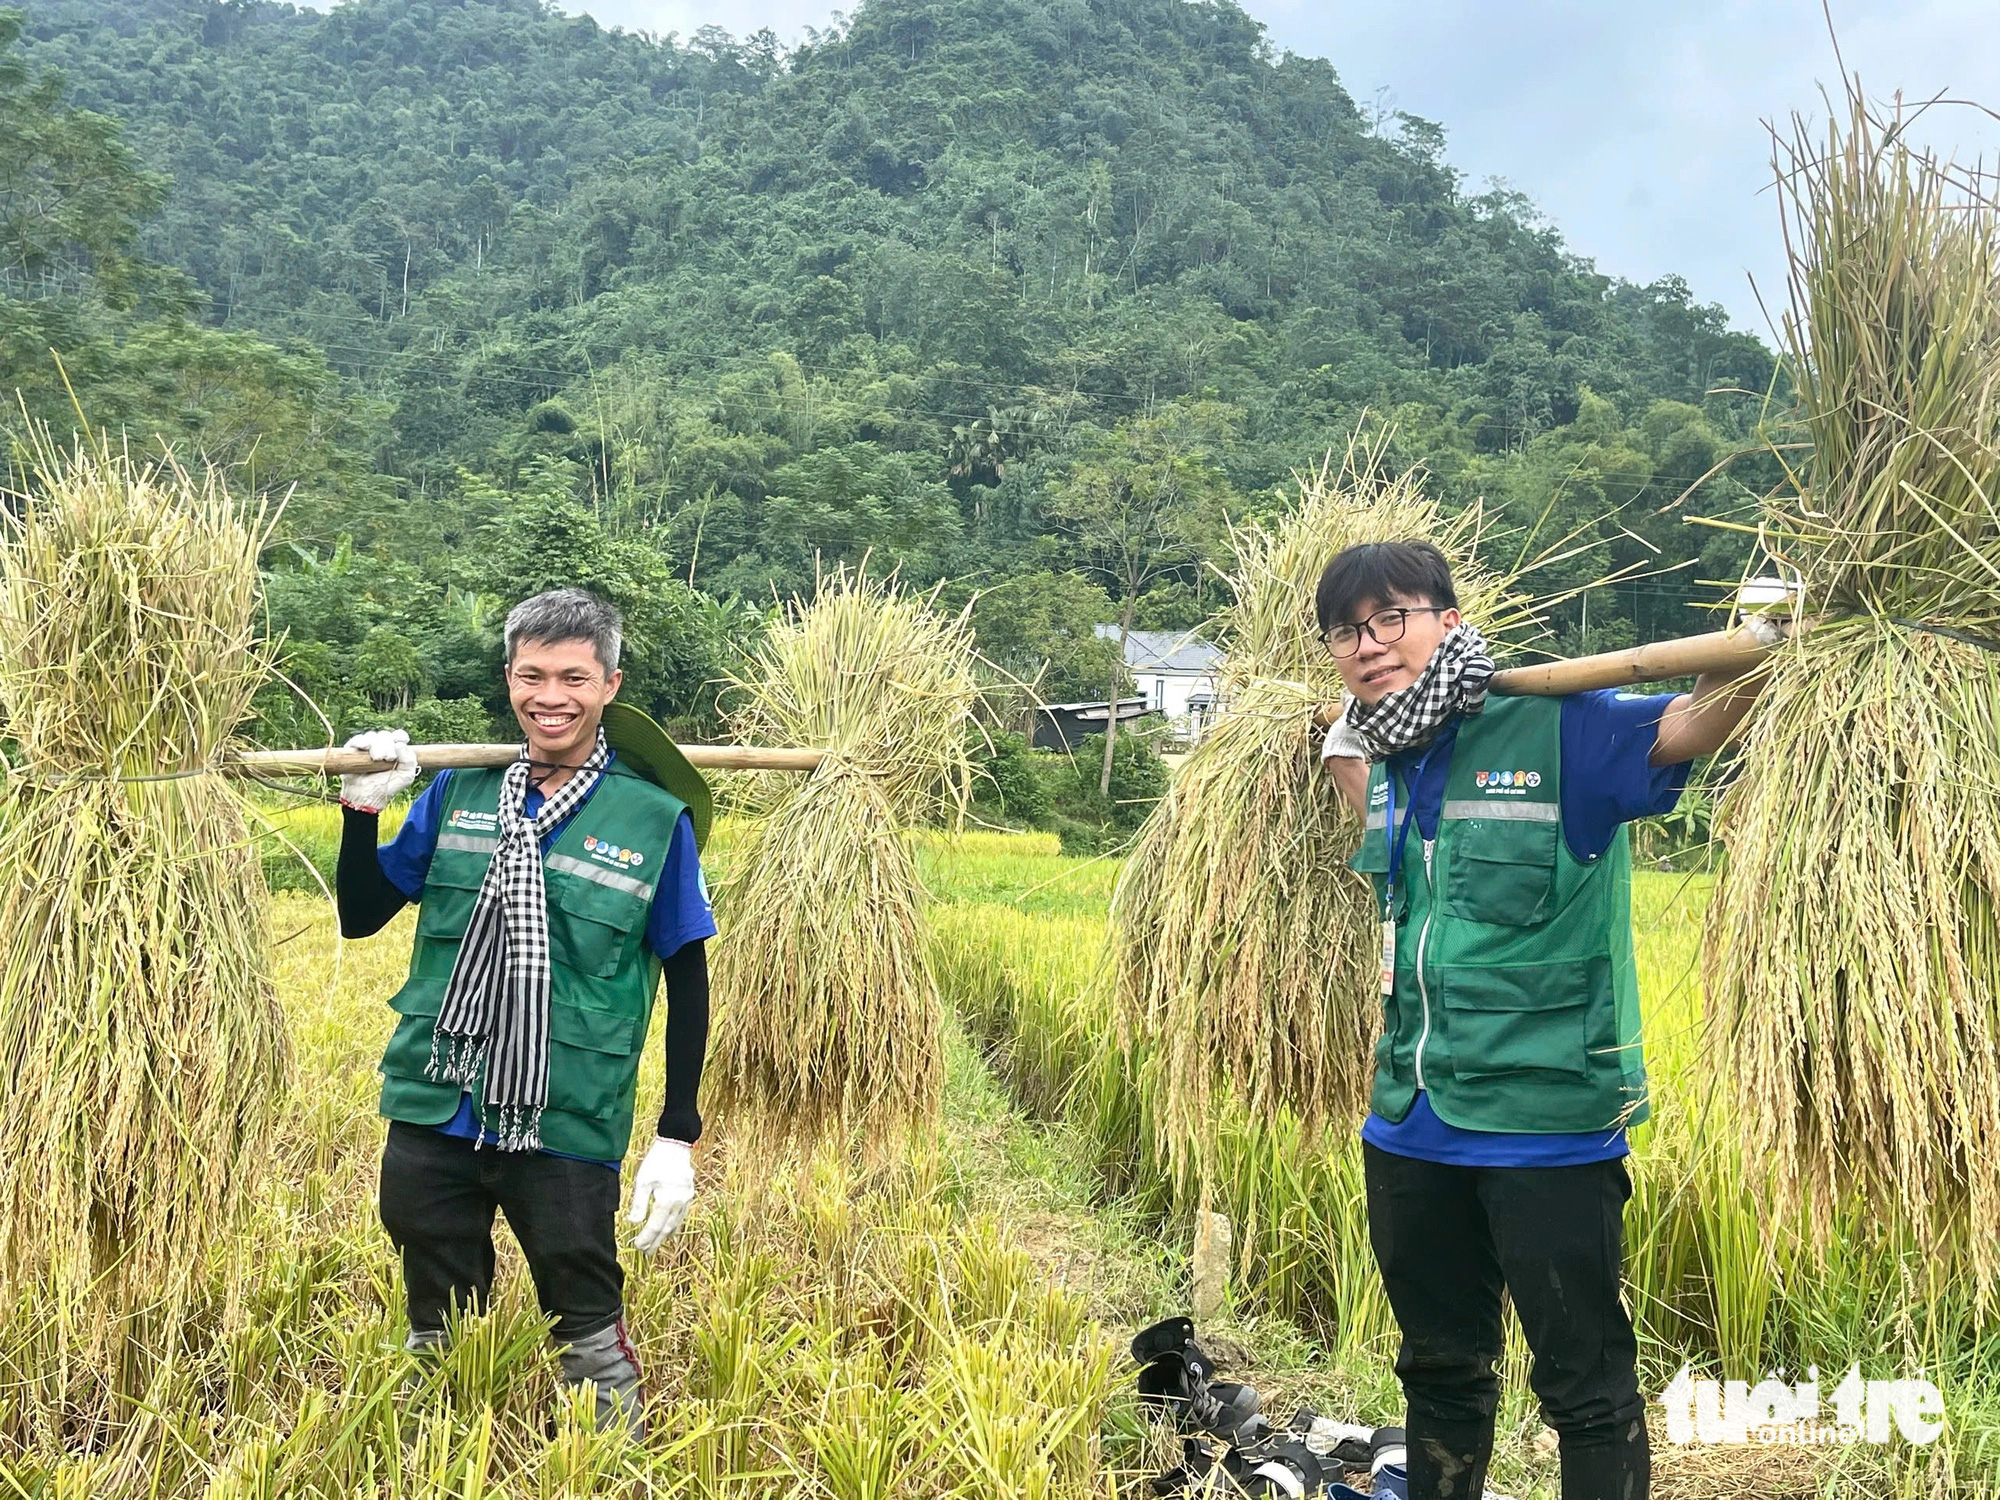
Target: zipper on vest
pixel 1423 990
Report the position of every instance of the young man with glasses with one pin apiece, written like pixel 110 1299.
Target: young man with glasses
pixel 1509 1066
pixel 553 895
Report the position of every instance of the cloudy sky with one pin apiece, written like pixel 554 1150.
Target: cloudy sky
pixel 1636 126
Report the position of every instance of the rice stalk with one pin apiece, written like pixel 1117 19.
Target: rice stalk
pixel 139 1032
pixel 1852 953
pixel 1244 948
pixel 830 1017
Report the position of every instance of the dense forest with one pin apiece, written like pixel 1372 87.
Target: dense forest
pixel 502 298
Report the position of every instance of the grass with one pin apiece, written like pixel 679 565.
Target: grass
pixel 828 1332
pixel 951 1322
pixel 1025 872
pixel 1713 1280
pixel 298 842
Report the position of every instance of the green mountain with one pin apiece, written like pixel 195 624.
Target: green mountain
pixel 903 289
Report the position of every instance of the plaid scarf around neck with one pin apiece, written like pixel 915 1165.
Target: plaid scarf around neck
pixel 496 1005
pixel 1453 682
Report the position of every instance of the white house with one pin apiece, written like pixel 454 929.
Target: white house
pixel 1174 671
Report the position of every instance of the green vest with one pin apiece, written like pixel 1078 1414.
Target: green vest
pixel 1516 998
pixel 599 875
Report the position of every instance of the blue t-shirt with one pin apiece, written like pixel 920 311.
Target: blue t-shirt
pixel 680 913
pixel 1607 779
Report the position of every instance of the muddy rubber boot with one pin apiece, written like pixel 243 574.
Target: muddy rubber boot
pixel 605 1358
pixel 427 1348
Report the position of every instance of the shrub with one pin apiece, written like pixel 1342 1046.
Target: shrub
pixel 1011 782
pixel 448 721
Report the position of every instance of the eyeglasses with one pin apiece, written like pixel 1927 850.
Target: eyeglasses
pixel 1385 626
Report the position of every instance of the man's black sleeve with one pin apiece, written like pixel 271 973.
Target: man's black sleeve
pixel 687 1040
pixel 366 898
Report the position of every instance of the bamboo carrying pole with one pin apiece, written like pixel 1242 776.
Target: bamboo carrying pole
pixel 1690 656
pixel 1718 651
pixel 443 757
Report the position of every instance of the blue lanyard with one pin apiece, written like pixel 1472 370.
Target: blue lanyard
pixel 1401 838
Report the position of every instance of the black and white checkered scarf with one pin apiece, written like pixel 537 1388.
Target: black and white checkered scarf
pixel 1454 682
pixel 496 1004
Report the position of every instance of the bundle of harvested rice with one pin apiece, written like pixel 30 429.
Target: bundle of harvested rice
pixel 830 1017
pixel 1244 947
pixel 142 1043
pixel 1852 954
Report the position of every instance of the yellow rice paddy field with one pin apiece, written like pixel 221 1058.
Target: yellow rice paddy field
pixel 951 1323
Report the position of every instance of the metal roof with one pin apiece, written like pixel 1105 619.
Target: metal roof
pixel 1166 651
pixel 1128 708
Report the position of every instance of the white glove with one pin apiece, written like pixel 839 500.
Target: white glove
pixel 1342 741
pixel 1764 608
pixel 371 791
pixel 661 1193
pixel 1768 631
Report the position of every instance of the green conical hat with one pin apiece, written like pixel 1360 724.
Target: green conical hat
pixel 650 751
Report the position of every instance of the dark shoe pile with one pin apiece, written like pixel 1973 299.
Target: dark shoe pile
pixel 1229 1447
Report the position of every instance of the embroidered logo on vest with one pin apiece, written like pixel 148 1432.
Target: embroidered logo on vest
pixel 1506 781
pixel 606 852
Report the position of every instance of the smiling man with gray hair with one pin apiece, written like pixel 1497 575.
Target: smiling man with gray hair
pixel 553 894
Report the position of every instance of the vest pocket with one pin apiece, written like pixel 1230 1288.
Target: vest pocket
pixel 1532 1018
pixel 448 904
pixel 409 1051
pixel 593 944
pixel 1386 1045
pixel 1502 872
pixel 590 1060
pixel 448 900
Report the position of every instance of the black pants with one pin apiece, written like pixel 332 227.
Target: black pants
pixel 1448 1239
pixel 438 1198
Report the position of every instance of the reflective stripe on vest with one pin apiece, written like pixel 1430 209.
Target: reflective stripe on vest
pixel 570 864
pixel 1461 811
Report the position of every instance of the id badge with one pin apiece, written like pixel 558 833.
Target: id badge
pixel 1388 959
